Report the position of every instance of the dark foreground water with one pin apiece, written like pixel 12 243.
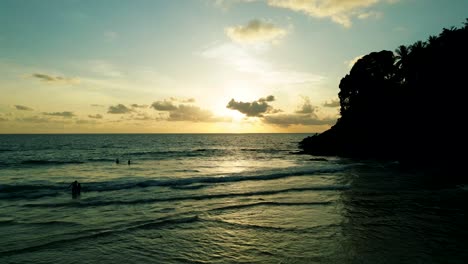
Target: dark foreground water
pixel 217 199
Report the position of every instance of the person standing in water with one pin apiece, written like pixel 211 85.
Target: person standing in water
pixel 117 161
pixel 76 188
pixel 128 162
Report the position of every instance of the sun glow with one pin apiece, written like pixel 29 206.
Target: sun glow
pixel 239 90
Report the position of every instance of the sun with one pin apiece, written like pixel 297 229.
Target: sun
pixel 239 90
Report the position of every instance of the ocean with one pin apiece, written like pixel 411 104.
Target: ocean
pixel 218 198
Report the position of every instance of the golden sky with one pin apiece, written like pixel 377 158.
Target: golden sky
pixel 195 66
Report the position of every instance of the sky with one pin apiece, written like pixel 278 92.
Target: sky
pixel 194 66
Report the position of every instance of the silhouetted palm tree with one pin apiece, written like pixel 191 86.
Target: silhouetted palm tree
pixel 402 53
pixel 432 41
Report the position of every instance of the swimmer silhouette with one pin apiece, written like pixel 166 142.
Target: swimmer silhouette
pixel 76 189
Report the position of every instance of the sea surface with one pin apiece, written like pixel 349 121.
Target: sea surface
pixel 218 198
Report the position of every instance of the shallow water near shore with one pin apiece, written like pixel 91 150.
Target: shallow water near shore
pixel 240 198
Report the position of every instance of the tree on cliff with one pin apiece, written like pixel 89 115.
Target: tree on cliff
pixel 390 102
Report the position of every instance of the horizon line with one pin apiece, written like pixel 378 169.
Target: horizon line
pixel 182 133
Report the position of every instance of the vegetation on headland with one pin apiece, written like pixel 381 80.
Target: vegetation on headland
pixel 407 105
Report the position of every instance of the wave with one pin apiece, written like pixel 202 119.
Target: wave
pixel 186 171
pixel 242 206
pixel 50 162
pixel 93 234
pixel 91 203
pixel 191 183
pixel 6 150
pixel 101 160
pixel 6 221
pixel 140 155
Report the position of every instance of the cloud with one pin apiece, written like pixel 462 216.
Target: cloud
pixel 111 35
pixel 244 60
pixel 188 100
pixel 253 109
pixel 23 108
pixel 184 112
pixel 55 79
pixel 33 119
pixel 225 5
pixel 285 120
pixel 142 117
pixel 369 14
pixel 269 98
pixel 194 114
pixel 119 109
pixel 3 119
pixel 254 32
pixel 353 61
pixel 96 116
pixel 164 106
pixel 305 115
pixel 66 114
pixel 306 108
pixel 339 11
pixel 138 106
pixel 84 122
pixel 97 105
pixel 104 68
pixel 332 103
pixel 40 120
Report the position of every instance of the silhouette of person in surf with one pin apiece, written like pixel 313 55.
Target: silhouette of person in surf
pixel 117 161
pixel 128 162
pixel 76 188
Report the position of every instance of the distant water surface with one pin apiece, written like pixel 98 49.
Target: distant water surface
pixel 217 198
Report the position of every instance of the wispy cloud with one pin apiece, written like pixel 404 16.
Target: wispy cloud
pixel 96 116
pixel 142 117
pixel 23 108
pixel 370 14
pixel 40 120
pixel 187 100
pixel 111 35
pixel 86 122
pixel 138 106
pixel 55 79
pixel 332 103
pixel 66 114
pixel 226 4
pixel 104 68
pixel 244 60
pixel 339 11
pixel 256 31
pixel 285 120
